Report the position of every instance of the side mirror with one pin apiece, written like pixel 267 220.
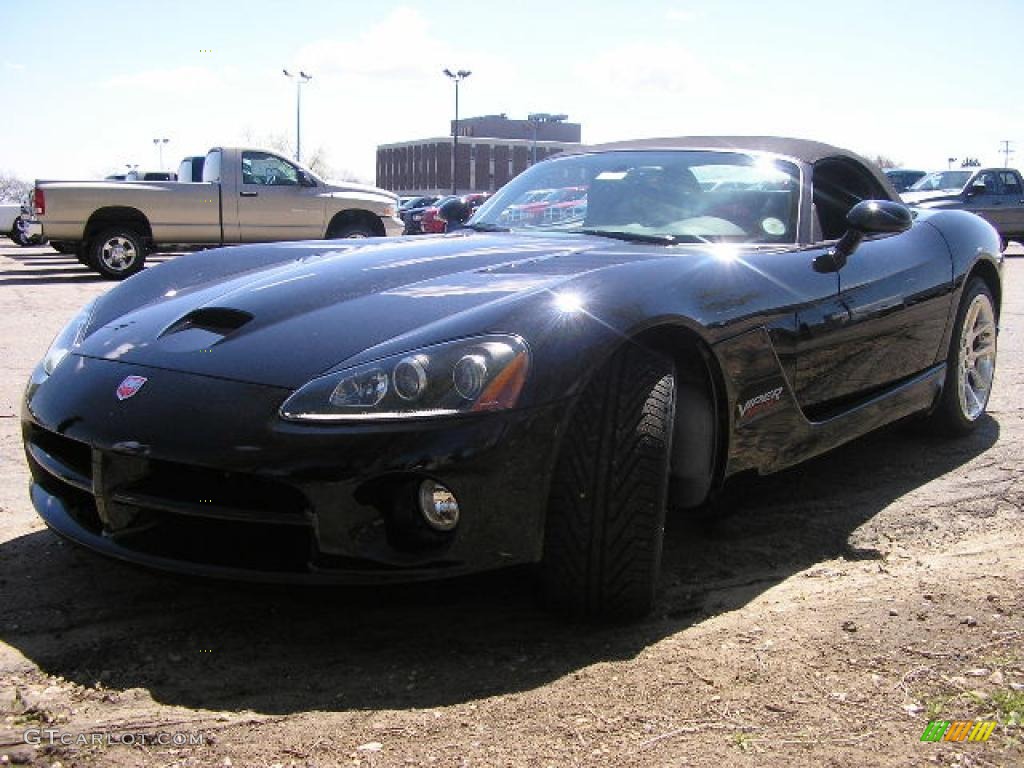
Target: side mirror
pixel 977 188
pixel 455 213
pixel 306 180
pixel 868 217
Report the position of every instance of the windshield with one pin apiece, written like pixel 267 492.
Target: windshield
pixel 656 196
pixel 941 180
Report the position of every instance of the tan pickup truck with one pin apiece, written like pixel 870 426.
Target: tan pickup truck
pixel 246 196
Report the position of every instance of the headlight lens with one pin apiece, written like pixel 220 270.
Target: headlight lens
pixel 69 338
pixel 470 375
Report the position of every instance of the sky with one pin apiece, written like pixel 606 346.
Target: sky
pixel 88 85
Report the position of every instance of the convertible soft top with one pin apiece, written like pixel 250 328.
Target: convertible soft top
pixel 804 150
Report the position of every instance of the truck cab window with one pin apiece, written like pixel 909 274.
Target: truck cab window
pixel 268 170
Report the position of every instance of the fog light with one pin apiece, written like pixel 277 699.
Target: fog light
pixel 438 506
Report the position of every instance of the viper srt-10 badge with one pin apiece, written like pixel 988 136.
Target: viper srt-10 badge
pixel 130 386
pixel 761 402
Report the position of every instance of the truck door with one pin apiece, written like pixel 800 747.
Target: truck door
pixel 987 202
pixel 274 203
pixel 1009 218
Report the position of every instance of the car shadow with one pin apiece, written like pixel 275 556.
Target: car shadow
pixel 277 650
pixel 33 270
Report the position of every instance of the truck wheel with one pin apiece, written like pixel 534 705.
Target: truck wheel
pixel 356 230
pixel 117 253
pixel 970 362
pixel 606 513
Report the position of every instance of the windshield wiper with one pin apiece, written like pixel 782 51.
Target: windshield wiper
pixel 485 227
pixel 640 237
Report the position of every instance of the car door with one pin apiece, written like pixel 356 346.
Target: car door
pixel 273 202
pixel 886 320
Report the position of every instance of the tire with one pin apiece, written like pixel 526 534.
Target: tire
pixel 17 235
pixel 350 231
pixel 117 252
pixel 606 512
pixel 970 363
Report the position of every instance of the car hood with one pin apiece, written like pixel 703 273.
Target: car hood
pixel 285 323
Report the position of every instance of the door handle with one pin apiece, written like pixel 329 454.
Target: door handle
pixel 249 194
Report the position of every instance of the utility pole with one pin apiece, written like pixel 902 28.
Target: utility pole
pixel 1006 152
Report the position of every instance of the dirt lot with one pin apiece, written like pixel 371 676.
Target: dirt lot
pixel 844 605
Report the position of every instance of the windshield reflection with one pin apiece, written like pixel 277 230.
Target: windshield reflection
pixel 655 196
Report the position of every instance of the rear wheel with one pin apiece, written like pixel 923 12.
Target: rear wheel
pixel 606 514
pixel 971 362
pixel 117 252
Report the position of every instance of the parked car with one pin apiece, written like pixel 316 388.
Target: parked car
pixel 437 222
pixel 902 178
pixel 18 223
pixel 995 194
pixel 412 213
pixel 247 195
pixel 143 176
pixel 407 408
pixel 191 168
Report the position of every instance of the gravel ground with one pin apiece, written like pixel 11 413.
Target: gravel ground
pixel 842 606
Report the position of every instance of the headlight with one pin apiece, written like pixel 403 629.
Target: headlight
pixel 69 338
pixel 486 373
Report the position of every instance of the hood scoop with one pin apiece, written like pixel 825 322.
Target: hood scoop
pixel 202 328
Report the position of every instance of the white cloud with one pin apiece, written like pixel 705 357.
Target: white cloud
pixel 681 15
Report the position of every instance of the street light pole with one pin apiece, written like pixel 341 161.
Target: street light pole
pixel 159 143
pixel 535 119
pixel 458 77
pixel 300 80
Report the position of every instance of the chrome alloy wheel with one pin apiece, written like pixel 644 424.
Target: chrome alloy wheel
pixel 118 253
pixel 977 359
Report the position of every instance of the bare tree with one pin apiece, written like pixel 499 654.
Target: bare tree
pixel 13 189
pixel 279 142
pixel 884 161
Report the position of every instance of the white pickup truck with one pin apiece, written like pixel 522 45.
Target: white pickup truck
pixel 246 196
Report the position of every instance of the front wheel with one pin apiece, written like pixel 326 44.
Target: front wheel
pixel 606 513
pixel 349 231
pixel 117 253
pixel 970 363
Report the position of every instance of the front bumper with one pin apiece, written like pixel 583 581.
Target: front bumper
pixel 199 475
pixel 393 226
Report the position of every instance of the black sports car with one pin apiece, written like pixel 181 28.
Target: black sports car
pixel 525 389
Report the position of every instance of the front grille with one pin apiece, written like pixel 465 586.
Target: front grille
pixel 177 511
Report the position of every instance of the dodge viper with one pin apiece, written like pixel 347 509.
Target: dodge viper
pixel 513 392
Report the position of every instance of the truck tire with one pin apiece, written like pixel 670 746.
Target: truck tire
pixel 606 514
pixel 348 231
pixel 117 252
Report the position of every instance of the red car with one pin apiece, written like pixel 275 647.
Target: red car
pixel 431 223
